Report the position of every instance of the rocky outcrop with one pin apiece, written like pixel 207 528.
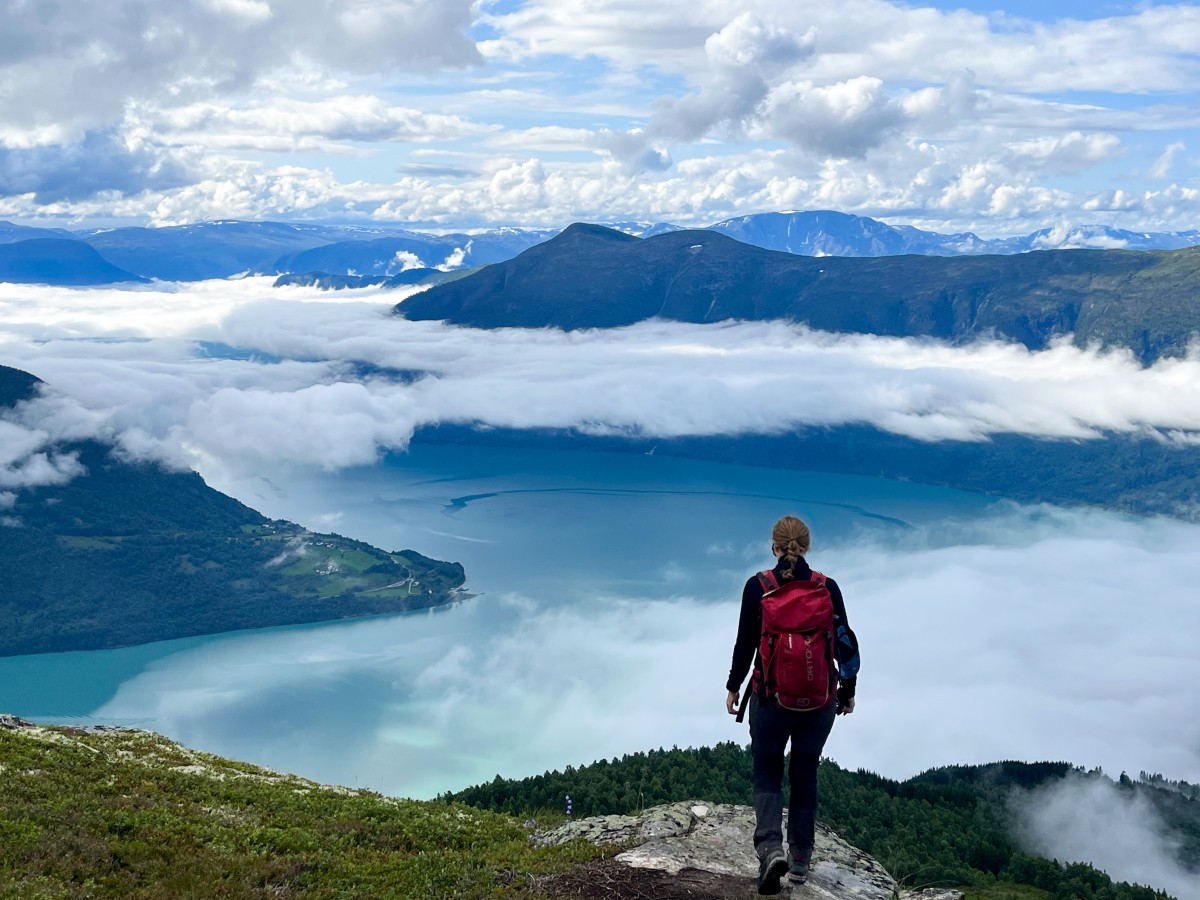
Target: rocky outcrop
pixel 718 838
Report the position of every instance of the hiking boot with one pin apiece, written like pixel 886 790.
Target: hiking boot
pixel 797 870
pixel 770 870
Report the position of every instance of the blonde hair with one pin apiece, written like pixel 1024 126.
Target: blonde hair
pixel 790 539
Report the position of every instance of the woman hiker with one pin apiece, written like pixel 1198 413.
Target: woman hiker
pixel 794 694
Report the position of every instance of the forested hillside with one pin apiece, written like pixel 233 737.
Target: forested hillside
pixel 594 277
pixel 948 826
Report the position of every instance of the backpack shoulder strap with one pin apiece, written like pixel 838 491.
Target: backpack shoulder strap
pixel 768 581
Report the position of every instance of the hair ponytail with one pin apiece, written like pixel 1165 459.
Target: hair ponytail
pixel 790 539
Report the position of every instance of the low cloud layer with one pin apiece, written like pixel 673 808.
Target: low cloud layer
pixel 146 366
pixel 30 439
pixel 27 462
pixel 1088 819
pixel 1027 624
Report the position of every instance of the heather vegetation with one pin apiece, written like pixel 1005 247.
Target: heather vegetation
pixel 130 815
pixel 102 813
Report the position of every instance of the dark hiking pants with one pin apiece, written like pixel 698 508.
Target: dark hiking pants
pixel 771 727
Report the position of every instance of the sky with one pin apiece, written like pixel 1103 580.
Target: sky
pixel 999 118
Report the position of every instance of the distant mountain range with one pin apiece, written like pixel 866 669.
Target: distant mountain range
pixel 828 233
pixel 128 553
pixel 228 248
pixel 58 261
pixel 595 277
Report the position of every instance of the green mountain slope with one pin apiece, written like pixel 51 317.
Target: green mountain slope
pixel 15 386
pixel 129 553
pixel 593 277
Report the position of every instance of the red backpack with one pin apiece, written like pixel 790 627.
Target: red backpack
pixel 796 663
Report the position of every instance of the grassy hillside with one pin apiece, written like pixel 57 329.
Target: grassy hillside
pixel 131 815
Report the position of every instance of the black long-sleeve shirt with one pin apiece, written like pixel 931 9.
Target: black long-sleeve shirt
pixel 750 630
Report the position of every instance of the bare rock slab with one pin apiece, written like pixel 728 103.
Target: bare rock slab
pixel 719 838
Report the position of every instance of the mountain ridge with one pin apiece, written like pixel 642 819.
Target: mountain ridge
pixel 228 248
pixel 1146 301
pixel 59 261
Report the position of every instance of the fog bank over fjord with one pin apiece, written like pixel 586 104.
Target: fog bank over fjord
pixel 237 375
pixel 233 379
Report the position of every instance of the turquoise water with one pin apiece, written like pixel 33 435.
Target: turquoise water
pixel 593 572
pixel 517 517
